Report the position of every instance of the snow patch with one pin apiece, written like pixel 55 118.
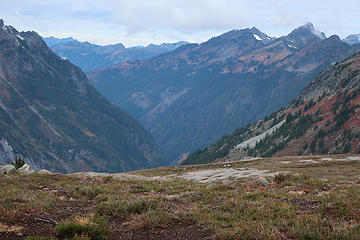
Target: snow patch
pixel 308 161
pixel 20 37
pixel 291 46
pixel 257 37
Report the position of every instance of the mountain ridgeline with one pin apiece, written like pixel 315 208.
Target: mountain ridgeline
pixel 90 56
pixel 192 96
pixel 53 117
pixel 324 119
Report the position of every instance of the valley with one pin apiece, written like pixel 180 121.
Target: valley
pixel 323 119
pixel 179 120
pixel 191 97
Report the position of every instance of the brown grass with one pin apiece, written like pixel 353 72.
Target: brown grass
pixel 314 201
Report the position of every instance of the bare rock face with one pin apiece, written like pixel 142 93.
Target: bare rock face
pixel 6 152
pixel 25 169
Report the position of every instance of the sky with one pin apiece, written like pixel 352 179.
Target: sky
pixel 141 22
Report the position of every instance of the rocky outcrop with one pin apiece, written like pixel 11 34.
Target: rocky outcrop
pixel 7 169
pixel 25 169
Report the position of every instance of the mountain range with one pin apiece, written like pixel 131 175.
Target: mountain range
pixel 352 39
pixel 190 97
pixel 53 117
pixel 89 56
pixel 324 119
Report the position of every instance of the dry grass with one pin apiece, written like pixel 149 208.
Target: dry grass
pixel 315 201
pixel 9 229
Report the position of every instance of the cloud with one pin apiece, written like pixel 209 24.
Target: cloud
pixel 142 22
pixel 187 16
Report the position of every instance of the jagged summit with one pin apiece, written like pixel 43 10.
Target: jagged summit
pixel 243 33
pixel 308 28
pixel 304 35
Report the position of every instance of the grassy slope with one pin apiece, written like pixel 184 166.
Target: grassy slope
pixel 316 200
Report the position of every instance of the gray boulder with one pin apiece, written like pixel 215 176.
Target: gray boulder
pixel 25 169
pixel 263 181
pixel 7 169
pixel 44 171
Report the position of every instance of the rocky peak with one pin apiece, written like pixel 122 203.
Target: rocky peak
pixel 352 39
pixel 333 39
pixel 235 42
pixel 309 27
pixel 304 35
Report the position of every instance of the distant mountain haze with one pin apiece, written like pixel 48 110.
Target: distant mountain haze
pixel 53 117
pixel 90 56
pixel 190 97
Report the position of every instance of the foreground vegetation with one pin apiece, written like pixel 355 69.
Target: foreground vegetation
pixel 292 205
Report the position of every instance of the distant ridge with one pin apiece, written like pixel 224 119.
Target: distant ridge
pixel 190 97
pixel 89 56
pixel 352 39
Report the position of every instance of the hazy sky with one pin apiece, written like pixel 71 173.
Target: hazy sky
pixel 140 22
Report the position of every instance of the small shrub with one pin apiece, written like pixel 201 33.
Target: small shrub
pixel 107 179
pixel 88 192
pixel 158 218
pixel 280 178
pixel 38 238
pixel 125 208
pixel 140 207
pixel 18 163
pixel 82 228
